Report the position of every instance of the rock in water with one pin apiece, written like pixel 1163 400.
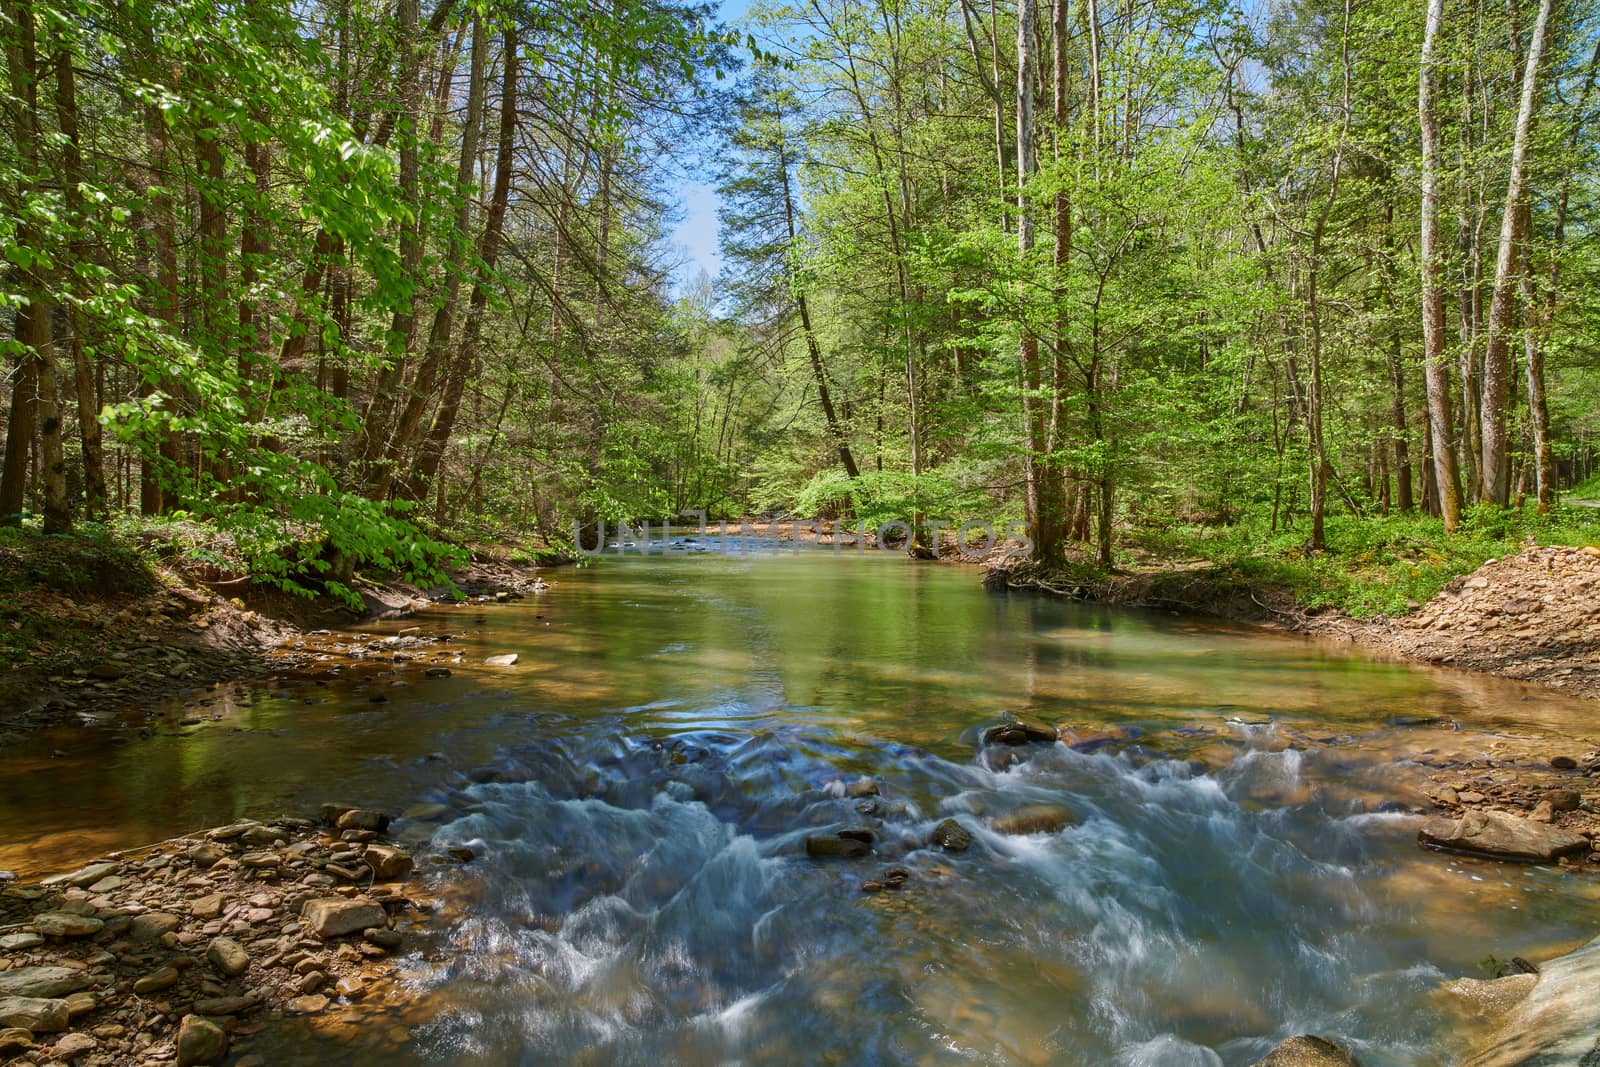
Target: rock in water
pixel 1557 1022
pixel 200 1041
pixel 388 862
pixel 1500 836
pixel 829 846
pixel 1018 732
pixel 1308 1051
pixel 507 660
pixel 1034 819
pixel 331 917
pixel 951 836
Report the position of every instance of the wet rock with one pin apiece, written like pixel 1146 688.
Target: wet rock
pixel 1486 997
pixel 388 862
pixel 872 887
pixel 437 672
pixel 509 659
pixel 351 988
pixel 362 819
pixel 1500 836
pixel 228 956
pixel 309 1005
pixel 331 917
pixel 1307 1050
pixel 427 812
pixel 259 860
pixel 461 854
pixel 200 1042
pixel 861 787
pixel 1563 763
pixel 859 833
pixel 73 1046
pixel 1017 732
pixel 63 924
pixel 951 836
pixel 1558 1021
pixel 1083 739
pixel 383 938
pixel 1034 819
pixel 42 1015
pixel 836 846
pixel 45 982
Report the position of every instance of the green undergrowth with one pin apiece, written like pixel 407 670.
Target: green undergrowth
pixel 1387 565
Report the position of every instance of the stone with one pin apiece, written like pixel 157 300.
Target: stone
pixel 81 1004
pixel 224 1005
pixel 330 917
pixel 231 831
pixel 43 982
pixel 42 1015
pixel 63 924
pixel 153 925
pixel 1018 732
pixel 1564 799
pixel 1307 1050
pixel 427 812
pixel 308 1005
pixel 1497 835
pixel 207 907
pixel 351 988
pixel 73 1046
pixel 384 938
pixel 388 862
pixel 1080 739
pixel 228 956
pixel 200 1042
pixel 259 860
pixel 509 659
pixel 1557 1021
pixel 1543 812
pixel 951 836
pixel 310 982
pixel 1034 819
pixel 83 877
pixel 834 846
pixel 107 884
pixel 206 856
pixel 14 1039
pixel 861 787
pixel 20 942
pixel 1563 763
pixel 436 672
pixel 1485 997
pixel 157 980
pixel 361 819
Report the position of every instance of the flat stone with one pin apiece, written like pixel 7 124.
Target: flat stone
pixel 427 812
pixel 1018 732
pixel 363 819
pixel 20 942
pixel 833 846
pixel 1308 1051
pixel 42 1015
pixel 330 917
pixel 79 1004
pixel 73 1046
pixel 309 1005
pixel 64 924
pixel 14 1039
pixel 388 862
pixel 81 877
pixel 157 980
pixel 1497 835
pixel 228 956
pixel 351 988
pixel 258 860
pixel 232 831
pixel 41 982
pixel 384 938
pixel 207 907
pixel 509 659
pixel 1034 819
pixel 224 1005
pixel 206 856
pixel 107 884
pixel 1557 1022
pixel 951 836
pixel 200 1042
pixel 153 925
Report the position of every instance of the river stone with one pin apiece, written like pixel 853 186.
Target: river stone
pixel 1500 836
pixel 362 819
pixel 207 907
pixel 1558 1022
pixel 72 1046
pixel 41 982
pixel 1034 819
pixel 826 846
pixel 388 862
pixel 20 942
pixel 200 1041
pixel 861 787
pixel 309 1005
pixel 1018 732
pixel 1564 799
pixel 1486 997
pixel 384 938
pixel 436 672
pixel 205 856
pixel 427 812
pixel 157 980
pixel 63 924
pixel 81 877
pixel 153 925
pixel 507 660
pixel 1308 1051
pixel 224 1005
pixel 330 917
pixel 14 1039
pixel 951 836
pixel 42 1015
pixel 228 956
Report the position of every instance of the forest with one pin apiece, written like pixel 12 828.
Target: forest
pixel 352 283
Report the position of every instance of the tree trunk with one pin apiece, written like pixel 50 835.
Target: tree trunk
pixel 1435 370
pixel 1494 475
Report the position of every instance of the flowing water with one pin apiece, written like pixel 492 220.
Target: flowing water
pixel 639 786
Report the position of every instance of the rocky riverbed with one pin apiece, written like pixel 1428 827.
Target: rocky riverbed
pixel 181 952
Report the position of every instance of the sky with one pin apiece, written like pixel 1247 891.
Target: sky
pixel 696 235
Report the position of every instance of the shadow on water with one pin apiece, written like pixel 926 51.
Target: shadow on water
pixel 639 787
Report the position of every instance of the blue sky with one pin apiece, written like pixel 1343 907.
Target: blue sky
pixel 696 234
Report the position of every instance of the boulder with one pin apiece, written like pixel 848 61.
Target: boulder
pixel 1017 732
pixel 330 917
pixel 1307 1050
pixel 1557 1021
pixel 43 982
pixel 228 956
pixel 200 1041
pixel 1498 835
pixel 951 836
pixel 42 1015
pixel 1034 819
